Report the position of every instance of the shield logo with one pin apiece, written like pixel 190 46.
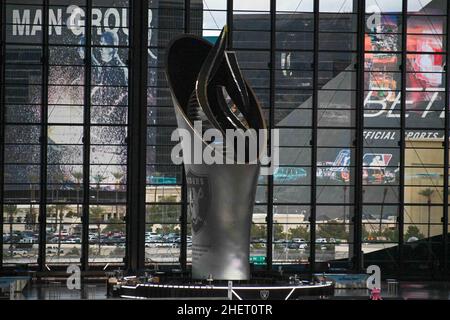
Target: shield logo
pixel 264 294
pixel 198 197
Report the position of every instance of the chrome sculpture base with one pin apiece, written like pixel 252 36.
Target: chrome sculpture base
pixel 132 288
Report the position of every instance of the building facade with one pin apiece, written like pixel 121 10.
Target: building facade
pixel 357 88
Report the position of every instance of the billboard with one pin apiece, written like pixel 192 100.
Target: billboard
pixel 109 80
pixel 425 78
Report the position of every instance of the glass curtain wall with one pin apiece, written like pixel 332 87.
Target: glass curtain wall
pixel 382 131
pixel 292 116
pixel 336 135
pixel 404 135
pixel 65 97
pixel 301 58
pixel 21 144
pixel 363 164
pixel 251 42
pixel 425 83
pixel 164 180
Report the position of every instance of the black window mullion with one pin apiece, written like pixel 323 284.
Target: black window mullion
pixel 230 22
pixel 445 220
pixel 401 196
pixel 313 143
pixel 359 143
pixel 2 122
pixel 86 141
pixel 43 141
pixel 184 216
pixel 187 16
pixel 137 136
pixel 270 182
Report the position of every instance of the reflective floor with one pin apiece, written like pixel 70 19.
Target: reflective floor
pixel 405 291
pixel 97 291
pixel 59 291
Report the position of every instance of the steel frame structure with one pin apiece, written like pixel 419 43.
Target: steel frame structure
pixel 136 140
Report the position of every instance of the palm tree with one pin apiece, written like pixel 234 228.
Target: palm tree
pixel 98 178
pixel 10 209
pixel 60 178
pixel 34 179
pixel 385 190
pixel 78 176
pixel 427 193
pixel 34 213
pixel 118 175
pixel 59 214
pixel 97 216
pixel 345 202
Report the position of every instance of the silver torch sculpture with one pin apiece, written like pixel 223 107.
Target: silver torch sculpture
pixel 210 94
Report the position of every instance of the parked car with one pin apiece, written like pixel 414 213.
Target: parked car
pixel 62 234
pixel 77 239
pixel 27 240
pixel 297 245
pixel 151 234
pixel 170 236
pixel 153 238
pixel 53 240
pixel 20 252
pixel 53 250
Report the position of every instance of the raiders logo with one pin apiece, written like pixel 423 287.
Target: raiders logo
pixel 264 294
pixel 198 197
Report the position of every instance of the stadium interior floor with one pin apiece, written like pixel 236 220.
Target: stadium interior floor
pixel 97 291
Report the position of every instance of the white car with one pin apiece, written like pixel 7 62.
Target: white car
pixel 54 250
pixel 19 252
pixel 155 238
pixel 321 240
pixel 62 234
pixel 150 234
pixel 27 240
